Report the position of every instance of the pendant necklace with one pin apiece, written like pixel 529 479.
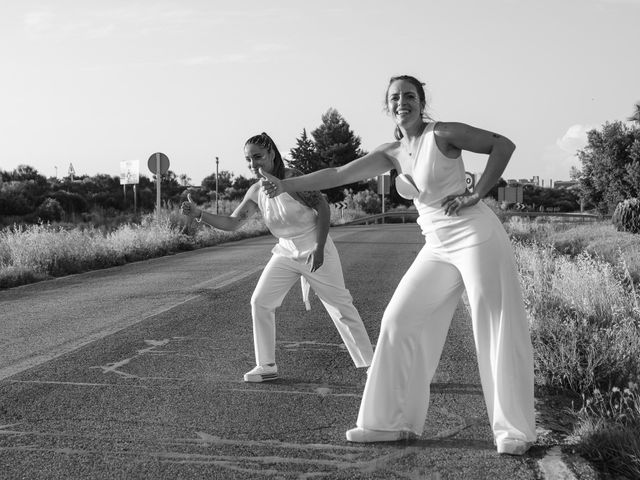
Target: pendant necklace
pixel 417 143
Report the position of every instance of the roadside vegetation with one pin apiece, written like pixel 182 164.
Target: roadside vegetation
pixel 581 286
pixel 35 252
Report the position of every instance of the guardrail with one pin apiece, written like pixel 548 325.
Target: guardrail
pixel 380 218
pixel 412 215
pixel 583 216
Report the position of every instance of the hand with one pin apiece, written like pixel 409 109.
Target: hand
pixel 271 185
pixel 453 203
pixel 189 208
pixel 316 259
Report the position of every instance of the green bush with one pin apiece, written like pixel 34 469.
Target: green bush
pixel 626 216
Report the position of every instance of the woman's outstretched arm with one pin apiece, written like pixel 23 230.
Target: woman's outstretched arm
pixel 223 222
pixel 374 163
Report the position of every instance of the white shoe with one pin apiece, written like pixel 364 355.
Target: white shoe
pixel 513 446
pixel 262 373
pixel 363 435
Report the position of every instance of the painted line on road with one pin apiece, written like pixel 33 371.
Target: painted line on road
pixel 80 384
pixel 38 359
pixel 334 458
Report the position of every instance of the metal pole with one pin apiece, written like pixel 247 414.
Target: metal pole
pixel 216 185
pixel 157 187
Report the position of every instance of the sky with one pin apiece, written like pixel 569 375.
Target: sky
pixel 97 83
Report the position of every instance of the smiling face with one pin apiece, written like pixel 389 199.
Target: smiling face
pixel 259 157
pixel 404 104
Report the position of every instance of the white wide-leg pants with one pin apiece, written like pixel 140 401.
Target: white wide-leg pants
pixel 414 329
pixel 328 282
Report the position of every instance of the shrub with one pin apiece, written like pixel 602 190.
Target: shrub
pixel 626 216
pixel 50 210
pixel 365 200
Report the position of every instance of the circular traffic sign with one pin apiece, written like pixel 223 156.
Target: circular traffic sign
pixel 153 161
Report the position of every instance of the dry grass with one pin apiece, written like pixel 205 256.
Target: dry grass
pixel 580 284
pixel 31 253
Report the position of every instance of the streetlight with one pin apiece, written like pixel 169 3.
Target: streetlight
pixel 216 185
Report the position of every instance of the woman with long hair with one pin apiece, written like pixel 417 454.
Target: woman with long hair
pixel 304 251
pixel 466 247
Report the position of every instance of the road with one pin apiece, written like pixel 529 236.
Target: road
pixel 135 372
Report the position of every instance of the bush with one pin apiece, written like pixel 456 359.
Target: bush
pixel 50 210
pixel 365 200
pixel 626 216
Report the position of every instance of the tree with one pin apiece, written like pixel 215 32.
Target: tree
pixel 305 157
pixel 184 179
pixel 225 181
pixel 334 144
pixel 610 166
pixel 636 115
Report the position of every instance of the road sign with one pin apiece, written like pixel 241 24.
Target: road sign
pixel 340 205
pixel 158 159
pixel 384 183
pixel 129 172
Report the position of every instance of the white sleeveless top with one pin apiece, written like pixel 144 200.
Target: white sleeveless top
pixel 436 176
pixel 293 223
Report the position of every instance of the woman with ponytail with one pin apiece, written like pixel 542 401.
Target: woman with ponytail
pixel 304 251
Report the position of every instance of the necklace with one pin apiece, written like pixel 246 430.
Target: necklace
pixel 412 149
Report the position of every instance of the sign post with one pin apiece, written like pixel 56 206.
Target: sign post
pixel 384 184
pixel 130 175
pixel 217 185
pixel 158 163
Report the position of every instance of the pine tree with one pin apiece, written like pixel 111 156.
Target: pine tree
pixel 636 115
pixel 335 142
pixel 304 155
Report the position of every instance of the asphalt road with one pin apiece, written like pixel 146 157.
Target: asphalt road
pixel 136 372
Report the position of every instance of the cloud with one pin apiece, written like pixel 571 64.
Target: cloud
pixel 627 2
pixel 270 48
pixel 39 22
pixel 215 60
pixel 574 139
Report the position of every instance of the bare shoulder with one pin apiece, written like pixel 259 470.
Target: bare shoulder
pixel 252 192
pixel 313 199
pixel 389 148
pixel 451 129
pixel 453 137
pixel 292 172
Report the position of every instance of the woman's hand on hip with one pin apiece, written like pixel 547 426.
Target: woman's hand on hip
pixel 453 203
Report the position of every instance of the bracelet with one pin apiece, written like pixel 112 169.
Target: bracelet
pixel 199 219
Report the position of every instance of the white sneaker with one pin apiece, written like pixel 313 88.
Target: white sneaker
pixel 513 446
pixel 363 435
pixel 262 373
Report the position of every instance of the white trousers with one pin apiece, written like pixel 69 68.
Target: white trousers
pixel 414 329
pixel 328 282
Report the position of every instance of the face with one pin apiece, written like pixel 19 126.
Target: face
pixel 258 157
pixel 403 103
